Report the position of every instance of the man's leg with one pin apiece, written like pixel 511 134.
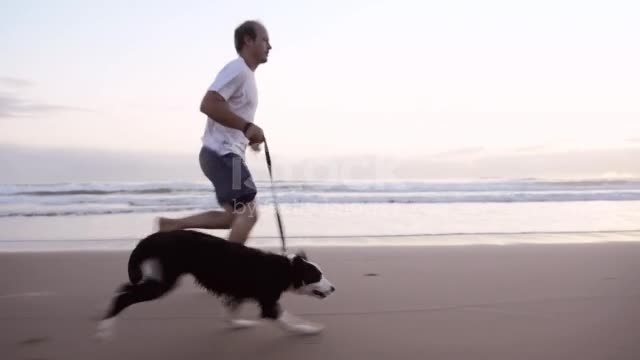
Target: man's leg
pixel 245 217
pixel 206 220
pixel 218 172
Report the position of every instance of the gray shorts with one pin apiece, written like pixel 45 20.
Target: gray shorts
pixel 230 177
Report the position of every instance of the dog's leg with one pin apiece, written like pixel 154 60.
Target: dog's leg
pixel 126 287
pixel 232 308
pixel 145 291
pixel 105 326
pixel 288 322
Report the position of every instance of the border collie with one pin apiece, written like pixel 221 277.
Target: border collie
pixel 232 271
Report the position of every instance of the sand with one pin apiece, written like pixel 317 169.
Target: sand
pixel 450 302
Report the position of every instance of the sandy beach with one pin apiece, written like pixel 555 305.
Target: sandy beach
pixel 450 302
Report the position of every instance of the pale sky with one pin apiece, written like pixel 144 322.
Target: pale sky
pixel 345 78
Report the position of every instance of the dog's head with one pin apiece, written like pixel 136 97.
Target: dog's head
pixel 308 278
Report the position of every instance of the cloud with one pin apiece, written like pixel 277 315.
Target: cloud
pixel 530 149
pixel 12 105
pixel 27 164
pixel 15 82
pixel 467 151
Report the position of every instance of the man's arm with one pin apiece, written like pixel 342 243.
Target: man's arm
pixel 214 106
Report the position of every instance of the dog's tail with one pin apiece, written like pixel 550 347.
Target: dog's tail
pixel 135 272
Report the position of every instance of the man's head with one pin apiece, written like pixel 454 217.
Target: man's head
pixel 252 42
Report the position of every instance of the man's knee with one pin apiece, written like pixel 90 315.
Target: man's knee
pixel 230 212
pixel 227 217
pixel 253 214
pixel 247 210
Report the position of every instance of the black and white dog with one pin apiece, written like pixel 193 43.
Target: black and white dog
pixel 235 272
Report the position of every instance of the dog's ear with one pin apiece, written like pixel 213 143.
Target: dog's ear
pixel 301 254
pixel 297 266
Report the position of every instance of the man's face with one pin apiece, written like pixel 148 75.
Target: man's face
pixel 261 46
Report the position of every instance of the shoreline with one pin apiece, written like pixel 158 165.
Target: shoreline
pixel 349 241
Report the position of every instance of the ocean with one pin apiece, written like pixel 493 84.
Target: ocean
pixel 113 215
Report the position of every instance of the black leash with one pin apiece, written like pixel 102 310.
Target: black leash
pixel 275 199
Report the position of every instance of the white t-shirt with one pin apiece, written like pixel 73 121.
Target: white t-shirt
pixel 237 85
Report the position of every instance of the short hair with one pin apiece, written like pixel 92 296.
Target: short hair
pixel 247 28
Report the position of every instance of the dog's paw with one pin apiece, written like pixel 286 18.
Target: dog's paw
pixel 104 330
pixel 296 325
pixel 242 323
pixel 306 329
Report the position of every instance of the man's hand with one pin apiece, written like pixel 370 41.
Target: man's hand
pixel 254 134
pixel 256 147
